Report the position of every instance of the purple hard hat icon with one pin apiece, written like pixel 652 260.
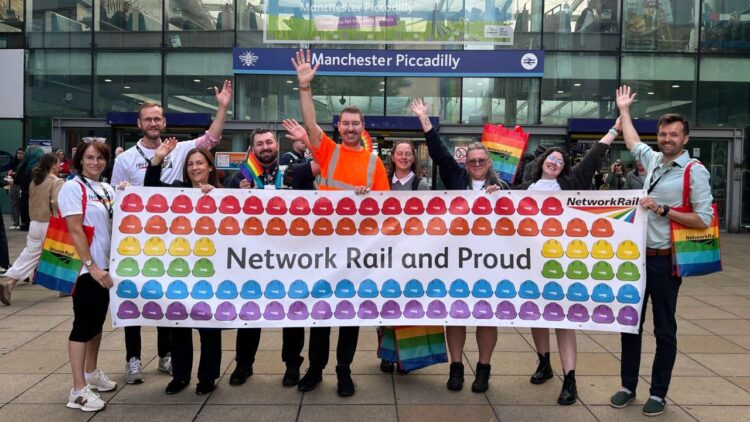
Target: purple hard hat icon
pixel 344 310
pixel 553 312
pixel 459 309
pixel 390 310
pixel 482 310
pixel 529 311
pixel 298 311
pixel 226 312
pixel 578 313
pixel 413 309
pixel 128 310
pixel 321 310
pixel 603 315
pixel 505 310
pixel 250 311
pixel 201 312
pixel 176 311
pixel 274 311
pixel 436 309
pixel 152 310
pixel 628 316
pixel 367 310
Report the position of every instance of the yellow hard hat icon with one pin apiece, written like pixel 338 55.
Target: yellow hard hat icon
pixel 154 247
pixel 577 250
pixel 179 247
pixel 628 250
pixel 602 250
pixel 552 249
pixel 204 247
pixel 129 246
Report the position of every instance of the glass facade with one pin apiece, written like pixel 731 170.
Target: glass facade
pixel 88 57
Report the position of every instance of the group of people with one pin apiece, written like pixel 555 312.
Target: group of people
pixel 85 201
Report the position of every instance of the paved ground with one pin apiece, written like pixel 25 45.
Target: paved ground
pixel 711 379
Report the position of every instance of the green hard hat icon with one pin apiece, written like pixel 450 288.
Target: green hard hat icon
pixel 602 271
pixel 552 269
pixel 203 268
pixel 577 271
pixel 627 271
pixel 128 267
pixel 178 268
pixel 153 267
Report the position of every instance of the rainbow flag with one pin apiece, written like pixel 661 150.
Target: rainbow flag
pixel 252 170
pixel 696 251
pixel 60 264
pixel 366 141
pixel 506 148
pixel 413 347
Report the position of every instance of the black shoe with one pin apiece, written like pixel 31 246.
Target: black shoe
pixel 456 377
pixel 569 393
pixel 240 374
pixel 346 387
pixel 386 366
pixel 175 386
pixel 312 378
pixel 204 387
pixel 482 380
pixel 291 376
pixel 543 371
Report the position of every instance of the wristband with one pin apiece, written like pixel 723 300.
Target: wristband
pixel 614 131
pixel 664 210
pixel 304 88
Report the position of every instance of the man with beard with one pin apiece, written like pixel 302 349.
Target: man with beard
pixel 264 149
pixel 664 183
pixel 347 166
pixel 130 166
pixel 296 155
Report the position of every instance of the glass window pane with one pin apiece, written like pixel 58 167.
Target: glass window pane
pixel 63 23
pixel 660 25
pixel 250 22
pixel 11 16
pixel 577 85
pixel 128 23
pixel 58 84
pixel 200 23
pixel 191 78
pixel 441 94
pixel 725 26
pixel 586 25
pixel 124 80
pixel 510 101
pixel 724 89
pixel 664 84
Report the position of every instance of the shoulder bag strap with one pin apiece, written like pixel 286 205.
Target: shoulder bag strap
pixel 83 199
pixel 686 184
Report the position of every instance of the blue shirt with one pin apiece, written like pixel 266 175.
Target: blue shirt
pixel 668 191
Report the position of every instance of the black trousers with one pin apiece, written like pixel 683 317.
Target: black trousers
pixel 662 288
pixel 133 342
pixel 182 353
pixel 4 251
pixel 320 339
pixel 293 340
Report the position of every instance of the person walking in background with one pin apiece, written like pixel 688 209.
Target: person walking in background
pixel 23 178
pixel 636 177
pixel 64 164
pixel 14 191
pixel 615 179
pixel 45 187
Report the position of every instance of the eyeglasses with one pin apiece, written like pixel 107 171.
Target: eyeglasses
pixel 477 162
pixel 557 161
pixel 404 154
pixel 90 139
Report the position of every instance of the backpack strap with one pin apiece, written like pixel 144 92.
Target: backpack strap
pixel 415 182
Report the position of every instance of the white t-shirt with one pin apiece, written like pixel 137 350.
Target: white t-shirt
pixel 477 185
pixel 545 185
pixel 130 166
pixel 70 203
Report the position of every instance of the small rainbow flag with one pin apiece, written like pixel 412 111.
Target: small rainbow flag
pixel 413 347
pixel 366 141
pixel 252 170
pixel 506 149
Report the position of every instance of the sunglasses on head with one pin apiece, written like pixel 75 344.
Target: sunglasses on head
pixel 90 139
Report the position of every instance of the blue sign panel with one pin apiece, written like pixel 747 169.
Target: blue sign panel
pixel 426 63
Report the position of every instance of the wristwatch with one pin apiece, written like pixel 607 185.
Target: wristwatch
pixel 664 210
pixel 88 263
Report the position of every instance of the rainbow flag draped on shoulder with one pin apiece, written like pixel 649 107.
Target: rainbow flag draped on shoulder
pixel 506 149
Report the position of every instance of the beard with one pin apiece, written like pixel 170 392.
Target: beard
pixel 267 159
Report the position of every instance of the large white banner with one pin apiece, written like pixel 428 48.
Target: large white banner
pixel 270 258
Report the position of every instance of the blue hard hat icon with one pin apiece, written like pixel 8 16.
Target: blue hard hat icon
pixel 274 290
pixel 251 290
pixel 298 290
pixel 553 291
pixel 391 289
pixel 602 293
pixel 126 289
pixel 577 293
pixel 152 290
pixel 368 289
pixel 482 289
pixel 459 288
pixel 344 289
pixel 505 290
pixel 322 289
pixel 226 290
pixel 413 288
pixel 528 290
pixel 202 290
pixel 177 290
pixel 436 288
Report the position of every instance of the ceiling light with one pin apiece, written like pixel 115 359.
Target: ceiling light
pixel 289 81
pixel 108 80
pixel 675 86
pixel 469 90
pixel 295 89
pixel 381 90
pixel 560 92
pixel 196 80
pixel 577 84
pixel 382 82
pixel 650 93
pixel 126 87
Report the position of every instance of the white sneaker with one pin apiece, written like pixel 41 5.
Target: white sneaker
pixel 133 371
pixel 86 400
pixel 165 364
pixel 99 382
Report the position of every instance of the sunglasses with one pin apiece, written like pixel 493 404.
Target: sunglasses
pixel 90 139
pixel 477 162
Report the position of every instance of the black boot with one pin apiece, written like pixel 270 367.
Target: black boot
pixel 386 366
pixel 346 386
pixel 456 377
pixel 569 393
pixel 482 379
pixel 241 372
pixel 291 376
pixel 543 371
pixel 312 378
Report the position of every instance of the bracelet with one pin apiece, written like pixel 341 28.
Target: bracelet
pixel 614 131
pixel 664 210
pixel 304 88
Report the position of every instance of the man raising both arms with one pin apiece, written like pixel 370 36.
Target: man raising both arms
pixel 348 166
pixel 130 166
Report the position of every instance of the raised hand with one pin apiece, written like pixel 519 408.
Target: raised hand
pixel 305 71
pixel 295 131
pixel 165 148
pixel 224 97
pixel 419 107
pixel 624 98
pixel 618 124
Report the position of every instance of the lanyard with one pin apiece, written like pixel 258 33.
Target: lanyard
pixel 652 185
pixel 108 204
pixel 276 177
pixel 140 151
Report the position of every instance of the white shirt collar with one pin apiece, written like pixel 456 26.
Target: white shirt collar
pixel 403 181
